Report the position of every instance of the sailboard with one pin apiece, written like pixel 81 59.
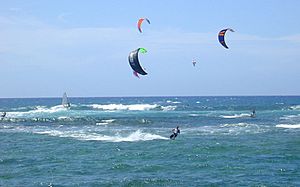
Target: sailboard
pixel 65 101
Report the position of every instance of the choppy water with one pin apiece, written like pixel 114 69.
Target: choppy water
pixel 125 142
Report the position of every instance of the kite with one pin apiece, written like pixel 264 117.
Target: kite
pixel 222 37
pixel 134 62
pixel 141 20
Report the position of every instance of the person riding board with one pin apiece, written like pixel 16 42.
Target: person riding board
pixel 253 114
pixel 3 115
pixel 175 131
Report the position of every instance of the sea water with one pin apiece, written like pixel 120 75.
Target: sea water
pixel 125 142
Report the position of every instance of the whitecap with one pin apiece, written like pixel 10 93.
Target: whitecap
pixel 194 115
pixel 236 116
pixel 168 108
pixel 102 123
pixel 108 120
pixel 64 118
pixel 38 110
pixel 235 125
pixel 138 107
pixel 290 117
pixel 296 107
pixel 133 137
pixel 289 126
pixel 230 129
pixel 105 122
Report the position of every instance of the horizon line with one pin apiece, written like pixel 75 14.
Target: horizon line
pixel 54 97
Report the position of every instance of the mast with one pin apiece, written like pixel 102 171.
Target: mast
pixel 65 101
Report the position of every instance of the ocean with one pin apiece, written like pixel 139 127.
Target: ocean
pixel 124 141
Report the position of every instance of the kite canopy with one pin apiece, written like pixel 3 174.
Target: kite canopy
pixel 134 62
pixel 141 20
pixel 194 63
pixel 222 37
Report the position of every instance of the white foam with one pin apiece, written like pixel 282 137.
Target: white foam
pixel 102 123
pixel 168 108
pixel 236 116
pixel 174 102
pixel 229 129
pixel 7 127
pixel 133 137
pixel 105 122
pixel 145 121
pixel 108 120
pixel 290 117
pixel 296 107
pixel 235 125
pixel 194 115
pixel 289 126
pixel 138 107
pixel 38 110
pixel 64 118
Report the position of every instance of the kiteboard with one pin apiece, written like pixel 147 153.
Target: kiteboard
pixel 173 136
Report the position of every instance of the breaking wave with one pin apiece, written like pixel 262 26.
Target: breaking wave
pixel 230 129
pixel 37 110
pixel 105 122
pixel 288 126
pixel 168 108
pixel 124 107
pixel 296 107
pixel 235 116
pixel 132 107
pixel 133 137
pixel 290 117
pixel 174 102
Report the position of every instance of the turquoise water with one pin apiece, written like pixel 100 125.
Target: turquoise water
pixel 125 142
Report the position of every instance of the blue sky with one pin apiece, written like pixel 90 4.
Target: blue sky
pixel 48 47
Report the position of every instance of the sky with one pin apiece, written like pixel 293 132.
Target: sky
pixel 51 46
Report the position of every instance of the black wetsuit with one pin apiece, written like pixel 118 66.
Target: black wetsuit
pixel 3 115
pixel 175 133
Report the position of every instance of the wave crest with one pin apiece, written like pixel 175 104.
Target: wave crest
pixel 137 107
pixel 295 107
pixel 236 116
pixel 288 126
pixel 133 137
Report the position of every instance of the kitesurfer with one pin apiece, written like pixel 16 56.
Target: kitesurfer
pixel 253 114
pixel 3 115
pixel 175 131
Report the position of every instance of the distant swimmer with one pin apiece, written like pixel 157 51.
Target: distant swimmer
pixel 3 114
pixel 253 115
pixel 175 131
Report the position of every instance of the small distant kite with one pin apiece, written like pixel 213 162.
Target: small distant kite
pixel 141 20
pixel 134 62
pixel 194 63
pixel 222 37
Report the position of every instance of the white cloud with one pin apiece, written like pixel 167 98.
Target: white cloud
pixel 14 9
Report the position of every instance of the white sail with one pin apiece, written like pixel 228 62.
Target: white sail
pixel 65 101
